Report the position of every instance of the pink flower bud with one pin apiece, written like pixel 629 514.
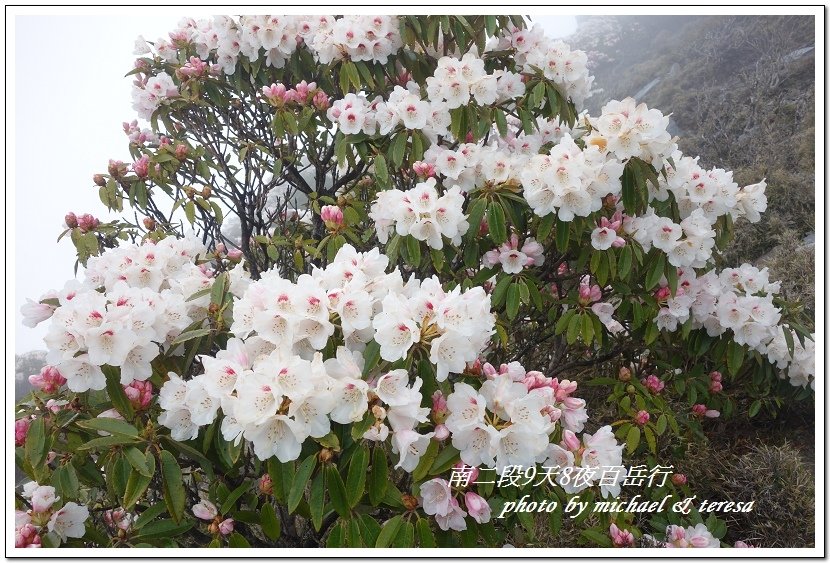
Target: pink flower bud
pixel 205 510
pixel 473 471
pixel 181 151
pixel 621 538
pixel 332 215
pixel 625 374
pixel 71 220
pixel 477 507
pixel 226 526
pixel 21 428
pixel 266 487
pixel 715 386
pixel 716 376
pixel 678 479
pixel 26 536
pixel 743 545
pixel 234 255
pixel 423 169
pixel 141 167
pixel 441 432
pixel 140 394
pixel 439 402
pixel 321 101
pixel 48 380
pixel 653 384
pixel 642 418
pixel 87 222
pixel 570 441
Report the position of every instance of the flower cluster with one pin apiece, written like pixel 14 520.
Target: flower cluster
pixel 66 521
pixel 421 213
pixel 438 500
pixel 559 63
pixel 276 391
pixel 570 181
pixel 714 191
pixel 149 93
pixel 456 82
pixel 142 306
pixel 303 93
pixel 739 300
pixel 454 327
pixel 627 129
pixel 697 536
pixel 513 260
pixel 220 41
pixel 509 419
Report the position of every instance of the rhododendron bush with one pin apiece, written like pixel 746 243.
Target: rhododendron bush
pixel 359 256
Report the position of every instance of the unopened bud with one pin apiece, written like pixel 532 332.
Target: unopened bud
pixel 409 502
pixel 71 220
pixel 266 487
pixel 181 152
pixel 99 180
pixel 149 223
pixel 326 455
pixel 678 479
pixel 206 192
pixel 379 412
pixel 625 374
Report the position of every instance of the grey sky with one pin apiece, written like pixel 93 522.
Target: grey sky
pixel 71 98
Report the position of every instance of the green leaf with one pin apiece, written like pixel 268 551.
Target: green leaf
pixel 337 491
pixel 448 457
pixel 190 335
pixel 512 301
pixel 379 476
pixel 413 251
pixel 136 459
pixel 545 227
pixel 734 357
pixel 192 453
pixel 231 499
pixel 596 537
pixel 111 425
pixel 425 536
pixel 632 439
pixel 269 522
pixel 148 515
pixel 173 485
pixel 426 461
pixel 500 291
pixel 116 392
pixel 381 170
pixel 316 499
pixel 389 531
pixel 671 277
pixel 107 442
pixel 397 149
pixel 136 486
pixel 190 211
pixel 574 326
pixel 295 494
pixel 624 264
pixel 662 421
pixel 35 447
pixel 356 478
pixel 237 540
pixel 405 536
pixel 651 440
pixel 495 222
pixel 754 408
pixel 656 271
